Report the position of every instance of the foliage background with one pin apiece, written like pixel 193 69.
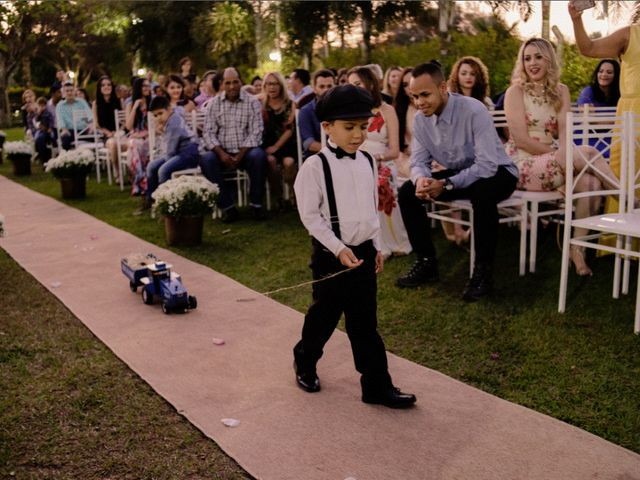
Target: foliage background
pixel 92 38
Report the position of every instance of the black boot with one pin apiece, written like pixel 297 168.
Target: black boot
pixel 424 270
pixel 480 284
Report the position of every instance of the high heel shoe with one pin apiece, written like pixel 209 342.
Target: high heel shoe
pixel 576 254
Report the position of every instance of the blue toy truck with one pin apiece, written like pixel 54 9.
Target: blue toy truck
pixel 157 281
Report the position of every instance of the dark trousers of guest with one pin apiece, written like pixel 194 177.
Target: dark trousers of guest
pixel 484 195
pixel 67 139
pixel 354 294
pixel 42 141
pixel 254 162
pixel 160 169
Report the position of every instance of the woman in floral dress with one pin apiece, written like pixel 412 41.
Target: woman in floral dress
pixel 137 125
pixel 536 106
pixel 383 144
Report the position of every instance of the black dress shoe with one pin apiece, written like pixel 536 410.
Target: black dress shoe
pixel 230 215
pixel 424 270
pixel 480 284
pixel 391 397
pixel 309 382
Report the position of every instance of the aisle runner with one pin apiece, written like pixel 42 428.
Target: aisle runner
pixel 456 431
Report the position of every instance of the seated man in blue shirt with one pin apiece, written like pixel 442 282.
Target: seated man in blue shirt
pixel 458 133
pixel 309 124
pixel 180 147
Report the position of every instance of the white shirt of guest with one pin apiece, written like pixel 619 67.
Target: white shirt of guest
pixel 356 191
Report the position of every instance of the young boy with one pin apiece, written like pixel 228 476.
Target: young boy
pixel 181 147
pixel 45 132
pixel 336 191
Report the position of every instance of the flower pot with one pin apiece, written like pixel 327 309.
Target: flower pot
pixel 185 231
pixel 21 164
pixel 74 187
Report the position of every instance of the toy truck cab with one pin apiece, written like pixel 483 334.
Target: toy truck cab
pixel 157 281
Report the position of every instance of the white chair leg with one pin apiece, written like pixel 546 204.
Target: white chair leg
pixel 616 269
pixel 98 161
pixel 564 268
pixel 108 162
pixel 533 236
pixel 523 239
pixel 626 271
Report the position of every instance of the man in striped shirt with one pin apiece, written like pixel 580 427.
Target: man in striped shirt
pixel 233 133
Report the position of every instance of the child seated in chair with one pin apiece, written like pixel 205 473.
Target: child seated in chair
pixel 180 147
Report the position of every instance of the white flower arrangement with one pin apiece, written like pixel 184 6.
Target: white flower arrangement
pixel 1 225
pixel 71 163
pixel 187 195
pixel 18 148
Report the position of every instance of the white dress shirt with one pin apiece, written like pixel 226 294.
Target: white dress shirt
pixel 356 189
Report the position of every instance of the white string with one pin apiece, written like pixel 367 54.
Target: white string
pixel 311 282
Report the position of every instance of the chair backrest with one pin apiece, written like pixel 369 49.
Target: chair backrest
pixel 581 130
pixel 633 158
pixel 499 118
pixel 83 127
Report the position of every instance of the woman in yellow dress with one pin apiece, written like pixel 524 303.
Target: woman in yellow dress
pixel 625 45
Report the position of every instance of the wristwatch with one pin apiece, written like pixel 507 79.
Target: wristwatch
pixel 447 185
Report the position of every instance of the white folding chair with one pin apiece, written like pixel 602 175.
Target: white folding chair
pixel 87 137
pixel 625 224
pixel 549 201
pixel 121 145
pixel 511 210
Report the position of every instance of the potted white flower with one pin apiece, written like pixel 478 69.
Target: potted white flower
pixel 183 202
pixel 19 153
pixel 72 168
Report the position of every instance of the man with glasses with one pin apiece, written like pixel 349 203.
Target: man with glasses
pixel 233 133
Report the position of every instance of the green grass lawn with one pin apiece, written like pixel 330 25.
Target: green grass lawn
pixel 582 367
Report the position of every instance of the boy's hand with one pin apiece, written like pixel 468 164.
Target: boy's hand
pixel 379 262
pixel 348 259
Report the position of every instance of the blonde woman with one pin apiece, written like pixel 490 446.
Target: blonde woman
pixel 278 138
pixel 536 106
pixel 392 81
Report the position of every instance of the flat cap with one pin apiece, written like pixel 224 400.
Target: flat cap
pixel 344 102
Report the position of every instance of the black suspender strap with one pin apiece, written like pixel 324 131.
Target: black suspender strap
pixel 370 158
pixel 331 196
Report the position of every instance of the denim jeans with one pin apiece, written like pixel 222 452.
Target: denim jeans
pixel 254 163
pixel 160 170
pixel 43 139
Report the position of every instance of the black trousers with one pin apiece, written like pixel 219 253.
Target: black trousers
pixel 354 294
pixel 484 195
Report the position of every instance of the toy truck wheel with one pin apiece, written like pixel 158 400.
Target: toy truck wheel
pixel 133 287
pixel 147 297
pixel 165 308
pixel 193 303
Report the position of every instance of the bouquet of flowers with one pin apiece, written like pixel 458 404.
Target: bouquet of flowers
pixel 18 149
pixel 71 163
pixel 386 198
pixel 185 196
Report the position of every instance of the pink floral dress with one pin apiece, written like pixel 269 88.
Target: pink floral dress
pixel 538 173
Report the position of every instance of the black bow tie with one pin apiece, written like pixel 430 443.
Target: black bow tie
pixel 340 153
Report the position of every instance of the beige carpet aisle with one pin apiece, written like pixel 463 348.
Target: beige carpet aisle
pixel 456 431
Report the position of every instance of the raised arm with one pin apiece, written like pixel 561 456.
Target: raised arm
pixel 611 46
